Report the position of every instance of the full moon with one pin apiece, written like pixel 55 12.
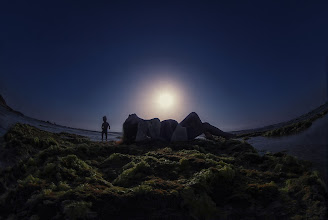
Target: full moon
pixel 165 100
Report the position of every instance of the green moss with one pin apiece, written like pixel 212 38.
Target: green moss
pixel 30 180
pixel 76 210
pixel 36 141
pixel 9 137
pixel 285 163
pixel 63 186
pixel 198 155
pixel 184 163
pixel 34 217
pixel 252 157
pixel 266 192
pixel 200 205
pixel 50 169
pixel 72 161
pixel 142 189
pixel 31 162
pixel 70 177
pixel 132 175
pixel 116 159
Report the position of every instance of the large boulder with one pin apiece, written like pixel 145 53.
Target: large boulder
pixel 148 129
pixel 193 124
pixel 179 134
pixel 136 129
pixel 208 128
pixel 154 128
pixel 142 132
pixel 167 129
pixel 130 128
pixel 2 101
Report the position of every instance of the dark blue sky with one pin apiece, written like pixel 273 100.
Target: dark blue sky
pixel 238 65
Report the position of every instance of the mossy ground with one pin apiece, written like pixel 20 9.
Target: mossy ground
pixel 58 176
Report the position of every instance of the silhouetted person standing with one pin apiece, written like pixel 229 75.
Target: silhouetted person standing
pixel 105 127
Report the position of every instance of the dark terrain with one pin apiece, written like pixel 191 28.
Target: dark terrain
pixel 61 175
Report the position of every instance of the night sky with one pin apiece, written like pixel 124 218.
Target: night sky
pixel 238 65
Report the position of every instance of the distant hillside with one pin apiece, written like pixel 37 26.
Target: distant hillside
pixel 302 120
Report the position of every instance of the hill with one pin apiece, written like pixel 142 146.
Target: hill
pixel 292 126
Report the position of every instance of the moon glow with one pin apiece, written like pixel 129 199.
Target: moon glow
pixel 165 100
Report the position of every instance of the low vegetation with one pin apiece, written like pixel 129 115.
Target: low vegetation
pixel 64 176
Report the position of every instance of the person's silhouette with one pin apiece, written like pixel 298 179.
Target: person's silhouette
pixel 104 128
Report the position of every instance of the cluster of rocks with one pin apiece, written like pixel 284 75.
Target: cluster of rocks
pixel 136 129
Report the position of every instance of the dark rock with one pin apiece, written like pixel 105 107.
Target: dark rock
pixel 154 128
pixel 130 128
pixel 148 130
pixel 193 124
pixel 215 131
pixel 2 101
pixel 179 134
pixel 142 131
pixel 209 136
pixel 136 129
pixel 4 104
pixel 167 129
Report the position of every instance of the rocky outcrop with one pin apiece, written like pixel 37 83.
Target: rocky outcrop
pixel 167 129
pixel 193 124
pixel 154 126
pixel 208 128
pixel 180 134
pixel 2 101
pixel 148 129
pixel 130 128
pixel 136 129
